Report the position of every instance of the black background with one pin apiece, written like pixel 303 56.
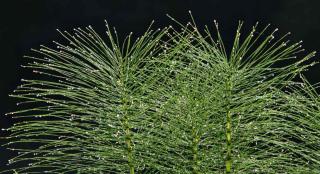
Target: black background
pixel 26 24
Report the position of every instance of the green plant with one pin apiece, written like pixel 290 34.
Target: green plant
pixel 169 102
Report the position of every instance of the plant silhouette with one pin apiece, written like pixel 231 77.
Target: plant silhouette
pixel 171 101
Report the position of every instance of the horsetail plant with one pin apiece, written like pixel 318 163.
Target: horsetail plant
pixel 171 101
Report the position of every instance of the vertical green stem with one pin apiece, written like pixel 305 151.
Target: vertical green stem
pixel 228 137
pixel 195 141
pixel 125 122
pixel 228 160
pixel 129 147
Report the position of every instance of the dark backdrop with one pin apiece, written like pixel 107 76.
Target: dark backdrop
pixel 26 24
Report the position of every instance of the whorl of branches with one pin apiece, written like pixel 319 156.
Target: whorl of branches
pixel 170 101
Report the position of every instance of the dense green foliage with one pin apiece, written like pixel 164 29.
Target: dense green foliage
pixel 169 102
